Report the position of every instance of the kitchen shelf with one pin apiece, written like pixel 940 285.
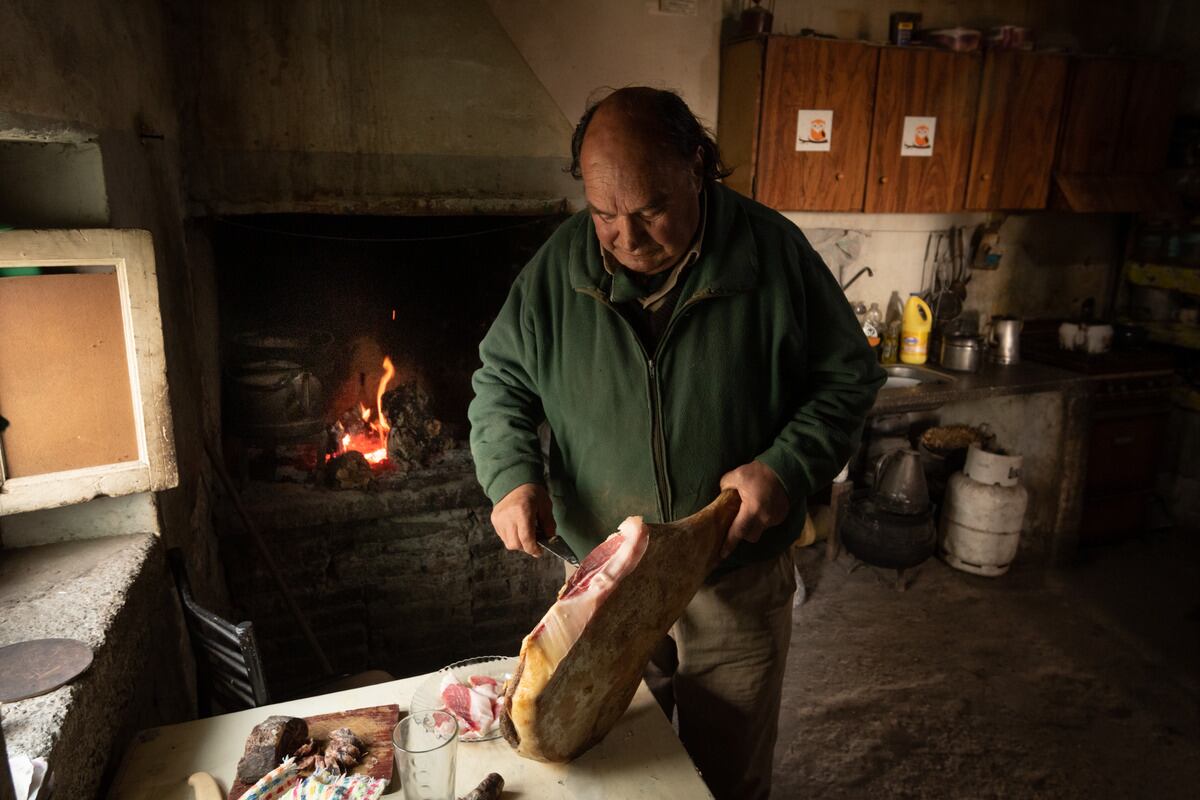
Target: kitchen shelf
pixel 1164 276
pixel 1173 333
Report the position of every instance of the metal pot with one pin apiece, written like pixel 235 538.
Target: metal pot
pixel 885 539
pixel 275 400
pixel 962 352
pixel 899 485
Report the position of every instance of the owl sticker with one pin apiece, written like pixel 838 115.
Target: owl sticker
pixel 917 139
pixel 814 130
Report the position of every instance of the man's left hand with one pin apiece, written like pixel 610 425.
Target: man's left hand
pixel 764 503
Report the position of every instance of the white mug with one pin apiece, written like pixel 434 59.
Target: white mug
pixel 1072 335
pixel 1099 338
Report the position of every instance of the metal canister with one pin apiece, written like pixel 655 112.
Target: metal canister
pixel 902 27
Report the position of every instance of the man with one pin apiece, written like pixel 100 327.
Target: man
pixel 679 339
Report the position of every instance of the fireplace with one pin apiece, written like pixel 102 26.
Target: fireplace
pixel 348 343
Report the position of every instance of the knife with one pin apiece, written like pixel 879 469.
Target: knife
pixel 557 546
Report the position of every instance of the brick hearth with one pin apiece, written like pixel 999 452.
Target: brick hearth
pixel 405 577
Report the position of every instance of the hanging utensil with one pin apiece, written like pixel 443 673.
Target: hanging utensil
pixel 958 285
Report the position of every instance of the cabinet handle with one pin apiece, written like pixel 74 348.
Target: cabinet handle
pixel 984 176
pixel 883 178
pixel 839 176
pixel 1121 441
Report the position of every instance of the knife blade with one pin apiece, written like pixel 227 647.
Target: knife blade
pixel 557 547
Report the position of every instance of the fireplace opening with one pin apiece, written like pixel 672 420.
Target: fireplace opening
pixel 324 320
pixel 332 326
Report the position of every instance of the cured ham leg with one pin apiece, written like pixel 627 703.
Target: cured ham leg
pixel 581 665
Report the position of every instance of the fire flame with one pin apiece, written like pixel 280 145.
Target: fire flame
pixel 389 371
pixel 371 441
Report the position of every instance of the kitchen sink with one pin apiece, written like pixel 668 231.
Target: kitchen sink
pixel 905 376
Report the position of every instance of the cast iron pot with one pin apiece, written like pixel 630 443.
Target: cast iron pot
pixel 883 539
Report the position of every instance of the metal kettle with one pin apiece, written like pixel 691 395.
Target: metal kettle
pixel 900 485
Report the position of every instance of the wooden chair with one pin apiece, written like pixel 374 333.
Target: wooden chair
pixel 229 669
pixel 228 666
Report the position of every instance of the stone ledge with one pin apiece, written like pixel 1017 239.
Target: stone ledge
pixel 113 594
pixel 450 483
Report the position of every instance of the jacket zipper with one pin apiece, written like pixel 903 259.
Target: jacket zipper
pixel 658 444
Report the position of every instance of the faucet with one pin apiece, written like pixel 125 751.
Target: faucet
pixel 870 272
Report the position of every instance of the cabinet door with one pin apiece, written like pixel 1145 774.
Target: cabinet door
pixel 921 135
pixel 1096 101
pixel 1149 115
pixel 1016 129
pixel 803 77
pixel 738 115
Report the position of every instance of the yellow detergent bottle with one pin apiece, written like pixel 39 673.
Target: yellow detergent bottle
pixel 914 331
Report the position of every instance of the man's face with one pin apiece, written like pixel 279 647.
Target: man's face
pixel 645 205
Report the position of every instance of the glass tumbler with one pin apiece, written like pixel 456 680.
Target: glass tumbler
pixel 425 743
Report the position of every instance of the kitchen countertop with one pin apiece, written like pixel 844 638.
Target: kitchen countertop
pixel 992 380
pixel 640 759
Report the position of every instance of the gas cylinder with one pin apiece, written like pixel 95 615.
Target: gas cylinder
pixel 983 513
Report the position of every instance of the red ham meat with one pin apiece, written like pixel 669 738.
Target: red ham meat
pixel 581 665
pixel 476 705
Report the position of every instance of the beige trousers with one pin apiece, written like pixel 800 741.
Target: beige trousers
pixel 721 669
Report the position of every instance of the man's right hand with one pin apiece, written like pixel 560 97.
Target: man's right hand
pixel 517 515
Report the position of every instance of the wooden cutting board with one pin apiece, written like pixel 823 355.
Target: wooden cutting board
pixel 373 726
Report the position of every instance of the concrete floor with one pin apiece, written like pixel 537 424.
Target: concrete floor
pixel 1074 683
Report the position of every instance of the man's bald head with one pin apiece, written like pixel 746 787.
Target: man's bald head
pixel 657 121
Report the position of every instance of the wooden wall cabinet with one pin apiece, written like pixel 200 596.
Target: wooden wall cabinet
pixel 1006 126
pixel 1118 117
pixel 1016 129
pixel 922 82
pixel 765 85
pixel 1116 128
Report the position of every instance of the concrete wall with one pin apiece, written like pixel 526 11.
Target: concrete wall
pixel 109 70
pixel 576 47
pixel 52 184
pixel 1052 261
pixel 370 106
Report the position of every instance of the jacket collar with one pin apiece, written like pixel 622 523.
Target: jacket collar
pixel 728 257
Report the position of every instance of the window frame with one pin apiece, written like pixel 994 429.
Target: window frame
pixel 131 254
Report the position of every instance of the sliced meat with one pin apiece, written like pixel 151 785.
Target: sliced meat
pixel 581 665
pixel 344 750
pixel 474 710
pixel 485 685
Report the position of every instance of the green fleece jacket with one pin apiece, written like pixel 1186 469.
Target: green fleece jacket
pixel 762 359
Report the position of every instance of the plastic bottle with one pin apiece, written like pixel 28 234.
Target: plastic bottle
pixel 914 331
pixel 890 351
pixel 872 327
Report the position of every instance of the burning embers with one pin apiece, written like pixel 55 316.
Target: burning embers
pixel 365 430
pixel 400 433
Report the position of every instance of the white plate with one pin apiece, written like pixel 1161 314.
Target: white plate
pixel 427 696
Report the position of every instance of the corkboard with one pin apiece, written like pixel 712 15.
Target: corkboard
pixel 64 378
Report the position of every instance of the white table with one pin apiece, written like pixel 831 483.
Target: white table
pixel 640 759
